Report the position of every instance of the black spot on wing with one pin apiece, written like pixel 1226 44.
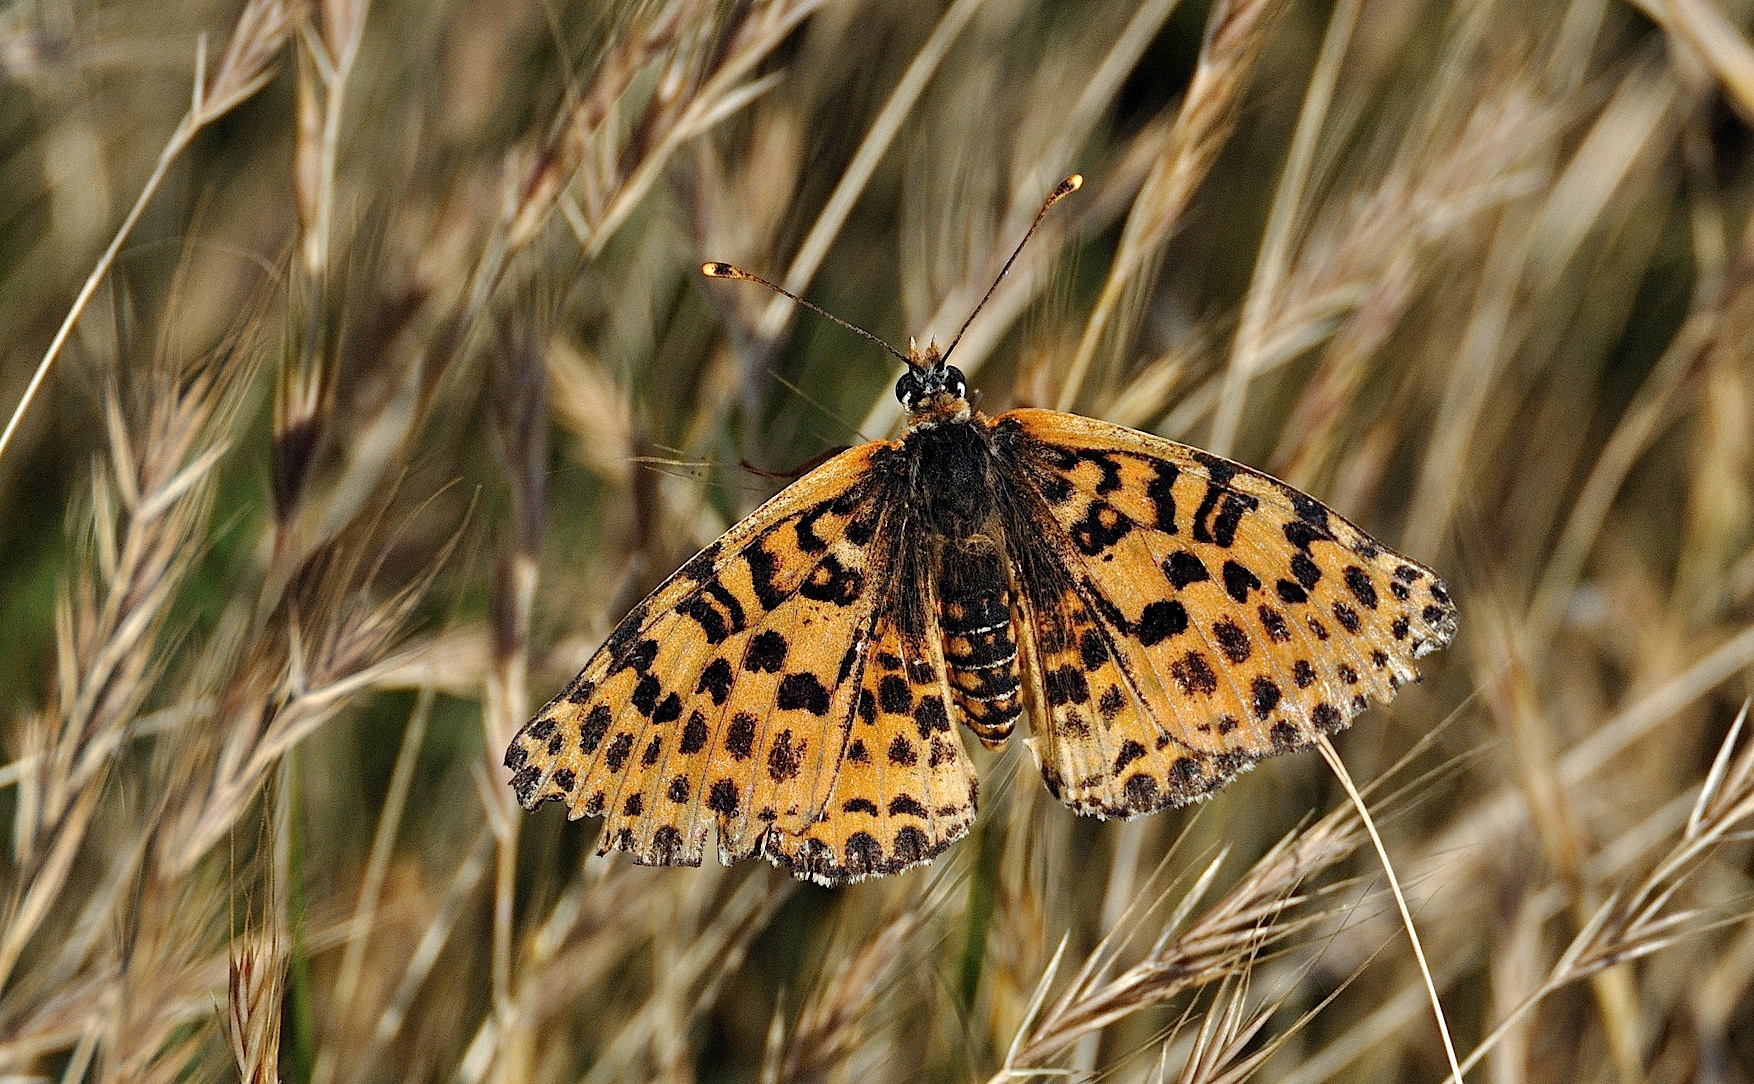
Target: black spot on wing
pixel 805 528
pixel 1219 470
pixel 618 752
pixel 907 804
pixel 645 694
pixel 740 735
pixel 637 656
pixel 901 751
pixel 1274 622
pixel 1266 696
pixel 1194 674
pixel 766 654
pixel 1303 533
pixel 1066 685
pixel 1232 640
pixel 699 568
pixel 715 680
pixel 694 735
pixel 1308 509
pixel 1183 568
pixel 930 716
pixel 1160 621
pixel 1055 489
pixel 1102 526
pixel 805 691
pixel 723 798
pixel 716 611
pixel 1239 581
pixel 1303 673
pixel 1092 651
pixel 1141 791
pixel 1358 582
pixel 623 635
pixel 782 758
pixel 595 726
pixel 1110 470
pixel 763 569
pixel 1113 700
pixel 1229 517
pixel 1161 490
pixel 831 581
pixel 1130 751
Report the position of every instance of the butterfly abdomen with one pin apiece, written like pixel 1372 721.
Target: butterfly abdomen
pixel 980 651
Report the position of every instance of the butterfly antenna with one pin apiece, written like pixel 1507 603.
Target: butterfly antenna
pixel 1061 191
pixel 716 270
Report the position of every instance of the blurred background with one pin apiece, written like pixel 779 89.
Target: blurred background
pixel 369 377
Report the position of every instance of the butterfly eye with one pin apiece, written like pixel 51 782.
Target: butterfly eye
pixel 907 389
pixel 955 383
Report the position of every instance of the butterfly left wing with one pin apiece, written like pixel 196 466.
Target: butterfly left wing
pixel 725 696
pixel 1182 616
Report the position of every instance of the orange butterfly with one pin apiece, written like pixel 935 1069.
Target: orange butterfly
pixel 1169 618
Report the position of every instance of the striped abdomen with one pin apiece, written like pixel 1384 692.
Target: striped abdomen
pixel 979 649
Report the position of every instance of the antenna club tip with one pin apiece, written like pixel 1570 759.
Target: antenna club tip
pixel 713 269
pixel 1069 185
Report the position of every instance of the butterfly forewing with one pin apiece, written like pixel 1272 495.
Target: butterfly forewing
pixel 1188 616
pixel 724 698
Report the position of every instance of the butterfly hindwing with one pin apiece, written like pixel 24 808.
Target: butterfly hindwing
pixel 906 788
pixel 1184 616
pixel 723 698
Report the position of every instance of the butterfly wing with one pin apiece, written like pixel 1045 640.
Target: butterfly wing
pixel 724 697
pixel 1182 616
pixel 906 788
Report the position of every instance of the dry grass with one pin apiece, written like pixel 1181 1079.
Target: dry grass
pixel 364 387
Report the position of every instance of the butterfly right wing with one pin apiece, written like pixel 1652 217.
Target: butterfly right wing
pixel 723 697
pixel 1182 616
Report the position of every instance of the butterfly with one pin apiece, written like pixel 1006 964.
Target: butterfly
pixel 1165 618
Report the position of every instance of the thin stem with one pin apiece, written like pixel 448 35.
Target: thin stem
pixel 178 142
pixel 1333 758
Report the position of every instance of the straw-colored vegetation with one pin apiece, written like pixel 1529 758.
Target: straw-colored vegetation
pixel 368 378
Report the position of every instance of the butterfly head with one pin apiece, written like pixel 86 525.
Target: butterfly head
pixel 931 391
